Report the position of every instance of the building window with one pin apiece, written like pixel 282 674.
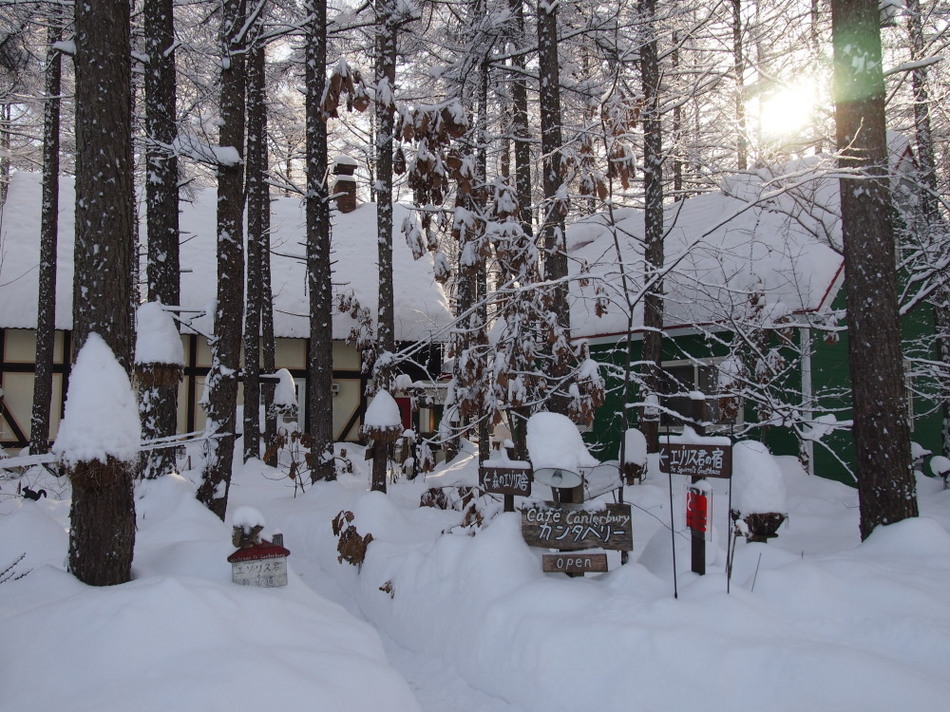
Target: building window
pixel 679 379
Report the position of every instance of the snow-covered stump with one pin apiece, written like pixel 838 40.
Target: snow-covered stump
pixel 159 365
pixel 383 425
pixel 98 443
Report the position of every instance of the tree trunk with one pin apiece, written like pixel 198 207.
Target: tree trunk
pixel 49 230
pixel 653 220
pixel 519 119
pixel 930 223
pixel 226 345
pixel 385 328
pixel 102 518
pixel 320 358
pixel 159 404
pixel 258 204
pixel 886 486
pixel 552 223
pixel 738 70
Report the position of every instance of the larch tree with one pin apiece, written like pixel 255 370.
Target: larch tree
pixel 386 29
pixel 220 399
pixel 554 206
pixel 102 516
pixel 653 219
pixel 258 209
pixel 159 401
pixel 320 356
pixel 886 485
pixel 49 231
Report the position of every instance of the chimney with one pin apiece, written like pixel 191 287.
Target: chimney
pixel 345 187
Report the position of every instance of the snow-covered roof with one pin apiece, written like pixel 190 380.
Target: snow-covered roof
pixel 420 306
pixel 773 231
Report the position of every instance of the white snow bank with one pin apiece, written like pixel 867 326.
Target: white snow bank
pixel 102 417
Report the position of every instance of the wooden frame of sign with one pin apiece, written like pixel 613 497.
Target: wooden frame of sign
pixel 573 527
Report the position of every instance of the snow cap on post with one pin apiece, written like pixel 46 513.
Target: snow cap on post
pixel 554 441
pixel 156 337
pixel 101 417
pixel 383 421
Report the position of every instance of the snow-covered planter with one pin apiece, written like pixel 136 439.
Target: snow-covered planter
pixel 759 497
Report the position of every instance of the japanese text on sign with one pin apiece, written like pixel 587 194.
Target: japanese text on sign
pixel 696 460
pixel 506 480
pixel 571 527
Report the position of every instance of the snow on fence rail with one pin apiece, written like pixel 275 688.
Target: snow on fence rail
pixel 10 463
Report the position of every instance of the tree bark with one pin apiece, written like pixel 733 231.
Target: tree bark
pixel 552 223
pixel 159 404
pixel 226 346
pixel 385 126
pixel 258 204
pixel 102 516
pixel 886 485
pixel 653 220
pixel 49 231
pixel 320 358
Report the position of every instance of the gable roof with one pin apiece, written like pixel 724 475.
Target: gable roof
pixel 420 305
pixel 772 231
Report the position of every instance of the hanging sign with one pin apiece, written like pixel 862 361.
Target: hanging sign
pixel 696 460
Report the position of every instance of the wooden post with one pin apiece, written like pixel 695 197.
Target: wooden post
pixel 698 538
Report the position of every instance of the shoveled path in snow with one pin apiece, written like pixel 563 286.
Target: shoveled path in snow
pixel 437 686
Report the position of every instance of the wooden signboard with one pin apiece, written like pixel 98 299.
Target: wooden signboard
pixel 574 563
pixel 506 480
pixel 570 527
pixel 696 460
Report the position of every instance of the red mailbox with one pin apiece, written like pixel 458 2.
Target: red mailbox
pixel 697 508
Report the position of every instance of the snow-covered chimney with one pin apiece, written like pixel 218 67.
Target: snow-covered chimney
pixel 345 188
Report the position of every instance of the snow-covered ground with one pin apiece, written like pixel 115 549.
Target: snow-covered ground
pixel 448 618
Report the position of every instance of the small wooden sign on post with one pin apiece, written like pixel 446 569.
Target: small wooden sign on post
pixel 509 480
pixel 573 527
pixel 696 460
pixel 586 563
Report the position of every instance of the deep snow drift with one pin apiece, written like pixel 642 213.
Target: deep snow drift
pixel 466 620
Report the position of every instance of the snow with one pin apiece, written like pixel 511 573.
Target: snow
pixel 420 306
pixel 101 417
pixel 382 412
pixel 446 618
pixel 247 518
pixel 554 441
pixel 285 392
pixel 756 479
pixel 156 337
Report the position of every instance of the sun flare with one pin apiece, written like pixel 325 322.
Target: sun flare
pixel 787 111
